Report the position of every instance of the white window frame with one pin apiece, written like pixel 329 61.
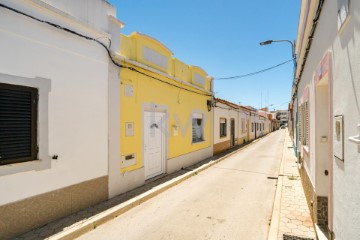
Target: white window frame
pixel 222 121
pixel 197 130
pixel 44 160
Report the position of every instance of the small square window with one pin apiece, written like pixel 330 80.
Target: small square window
pixel 223 127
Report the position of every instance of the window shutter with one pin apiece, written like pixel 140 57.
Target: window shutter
pixel 303 133
pixel 18 123
pixel 300 124
pixel 194 129
pixel 307 124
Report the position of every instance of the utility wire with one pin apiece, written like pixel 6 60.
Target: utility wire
pixel 254 73
pixel 107 48
pixel 281 104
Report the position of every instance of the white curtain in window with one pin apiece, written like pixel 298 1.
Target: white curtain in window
pixel 197 127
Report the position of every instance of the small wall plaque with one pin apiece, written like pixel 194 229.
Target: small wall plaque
pixel 129 129
pixel 128 90
pixel 338 137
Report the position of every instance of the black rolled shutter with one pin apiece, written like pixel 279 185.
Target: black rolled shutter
pixel 18 123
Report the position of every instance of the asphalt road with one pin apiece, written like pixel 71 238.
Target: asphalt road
pixel 230 200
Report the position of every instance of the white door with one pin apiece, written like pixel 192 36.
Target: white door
pixel 154 144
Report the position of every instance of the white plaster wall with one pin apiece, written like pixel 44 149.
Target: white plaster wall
pixel 344 45
pixel 320 45
pixel 77 71
pixel 252 121
pixel 92 12
pixel 242 116
pixel 259 120
pixel 228 114
pixel 346 95
pixel 117 181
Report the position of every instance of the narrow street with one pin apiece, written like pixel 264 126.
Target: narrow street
pixel 230 200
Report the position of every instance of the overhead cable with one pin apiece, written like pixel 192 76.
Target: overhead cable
pixel 107 48
pixel 254 73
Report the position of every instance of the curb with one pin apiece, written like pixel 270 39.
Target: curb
pixel 275 217
pixel 91 223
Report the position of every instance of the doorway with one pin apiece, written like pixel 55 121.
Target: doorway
pixel 323 142
pixel 154 143
pixel 248 130
pixel 232 132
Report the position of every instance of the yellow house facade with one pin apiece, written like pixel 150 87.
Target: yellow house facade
pixel 165 112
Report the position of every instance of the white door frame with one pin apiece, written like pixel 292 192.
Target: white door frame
pixel 151 107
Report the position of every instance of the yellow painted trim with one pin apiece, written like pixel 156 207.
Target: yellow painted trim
pixel 138 35
pixel 130 62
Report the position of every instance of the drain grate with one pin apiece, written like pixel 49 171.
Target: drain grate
pixel 291 237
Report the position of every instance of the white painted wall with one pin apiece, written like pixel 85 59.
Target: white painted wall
pixel 91 12
pixel 344 46
pixel 224 111
pixel 243 116
pixel 346 98
pixel 74 72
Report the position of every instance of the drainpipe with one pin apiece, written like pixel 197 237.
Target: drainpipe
pixel 296 128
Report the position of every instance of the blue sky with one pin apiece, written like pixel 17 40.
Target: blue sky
pixel 222 37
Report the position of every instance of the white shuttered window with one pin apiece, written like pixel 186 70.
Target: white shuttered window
pixel 197 127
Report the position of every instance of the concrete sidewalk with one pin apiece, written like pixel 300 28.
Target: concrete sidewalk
pixel 77 224
pixel 291 218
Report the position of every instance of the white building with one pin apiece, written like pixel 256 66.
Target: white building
pixel 326 113
pixel 282 116
pixel 56 86
pixel 236 125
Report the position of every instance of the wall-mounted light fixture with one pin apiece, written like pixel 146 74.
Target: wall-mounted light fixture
pixel 209 104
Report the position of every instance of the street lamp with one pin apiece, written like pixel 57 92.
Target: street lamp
pixel 292 48
pixel 295 65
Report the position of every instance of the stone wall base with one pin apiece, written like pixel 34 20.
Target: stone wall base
pixel 19 217
pixel 308 188
pixel 318 205
pixel 221 147
pixel 321 208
